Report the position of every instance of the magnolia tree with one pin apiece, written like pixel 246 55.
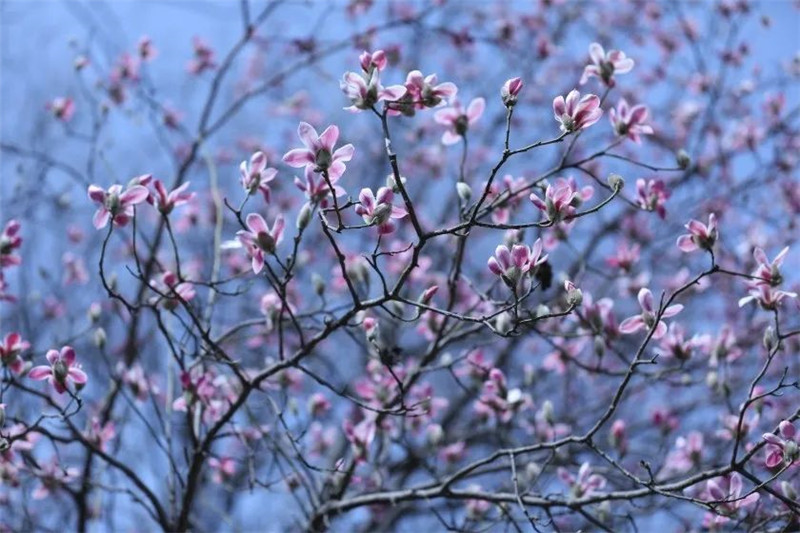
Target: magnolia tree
pixel 298 272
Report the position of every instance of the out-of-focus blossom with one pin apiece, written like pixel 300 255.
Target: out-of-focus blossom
pixel 318 152
pixel 575 113
pixel 173 291
pixel 260 239
pixel 222 469
pixel 766 295
pixel 457 120
pixel 62 108
pixel 561 199
pixel 10 350
pixel 146 49
pixel 647 319
pixel 10 240
pixel 606 64
pixel 256 176
pixel 700 236
pixel 360 436
pixel 316 188
pixel 652 195
pixel 63 369
pixel 377 209
pixel 203 57
pixel 585 484
pixel 630 121
pixel 726 493
pixel 74 269
pixel 116 205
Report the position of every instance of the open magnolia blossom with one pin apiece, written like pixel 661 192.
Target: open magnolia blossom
pixel 647 318
pixel 62 370
pixel 574 113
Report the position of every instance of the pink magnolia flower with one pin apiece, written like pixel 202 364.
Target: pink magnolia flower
pixel 360 436
pixel 222 469
pixel 575 113
pixel 675 344
pixel 372 61
pixel 10 241
pixel 510 91
pixel 426 91
pixel 62 108
pixel 377 210
pixel 316 188
pixel 203 57
pixel 174 291
pixel 319 153
pixel 651 195
pixel 458 120
pixel 51 477
pixel 10 350
pixel 165 202
pixel 647 319
pixel 561 199
pixel 74 269
pixel 605 65
pixel 700 236
pixel 626 256
pixel 629 120
pixel 256 176
pixel 726 492
pixel 784 447
pixel 769 271
pixel 512 265
pixel 115 204
pixel 766 295
pixel 364 91
pixel 101 435
pixel 260 239
pixel 585 484
pixel 63 369
pixel 687 454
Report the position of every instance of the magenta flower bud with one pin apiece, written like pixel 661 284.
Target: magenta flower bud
pixel 510 91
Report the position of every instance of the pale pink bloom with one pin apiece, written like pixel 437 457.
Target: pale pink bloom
pixel 675 344
pixel 476 508
pixel 647 319
pixel 626 256
pixel 585 484
pixel 165 202
pixel 222 469
pixel 766 295
pixel 116 205
pixel 62 108
pixel 575 113
pixel 457 120
pixel 605 65
pixel 318 152
pixel 256 176
pixel 360 436
pixel 173 290
pixel 10 350
pixel 726 493
pixel 687 454
pixel 203 57
pixel 63 369
pixel 783 448
pixel 769 271
pixel 364 91
pixel 316 188
pixel 561 198
pixel 318 404
pixel 101 435
pixel 513 265
pixel 426 91
pixel 510 91
pixel 74 269
pixel 700 236
pixel 377 210
pixel 127 68
pixel 629 121
pixel 10 240
pixel 651 195
pixel 260 239
pixel 372 61
pixel 598 316
pixel 146 49
pixel 52 476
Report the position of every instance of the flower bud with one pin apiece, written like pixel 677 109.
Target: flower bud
pixel 574 294
pixel 391 183
pixel 510 91
pixel 304 217
pixel 548 413
pixel 464 191
pixel 94 312
pixel 616 182
pixel 427 296
pixel 435 434
pixel 503 323
pixel 682 159
pixel 770 339
pixel 2 414
pixel 788 490
pixel 99 338
pixel 318 283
